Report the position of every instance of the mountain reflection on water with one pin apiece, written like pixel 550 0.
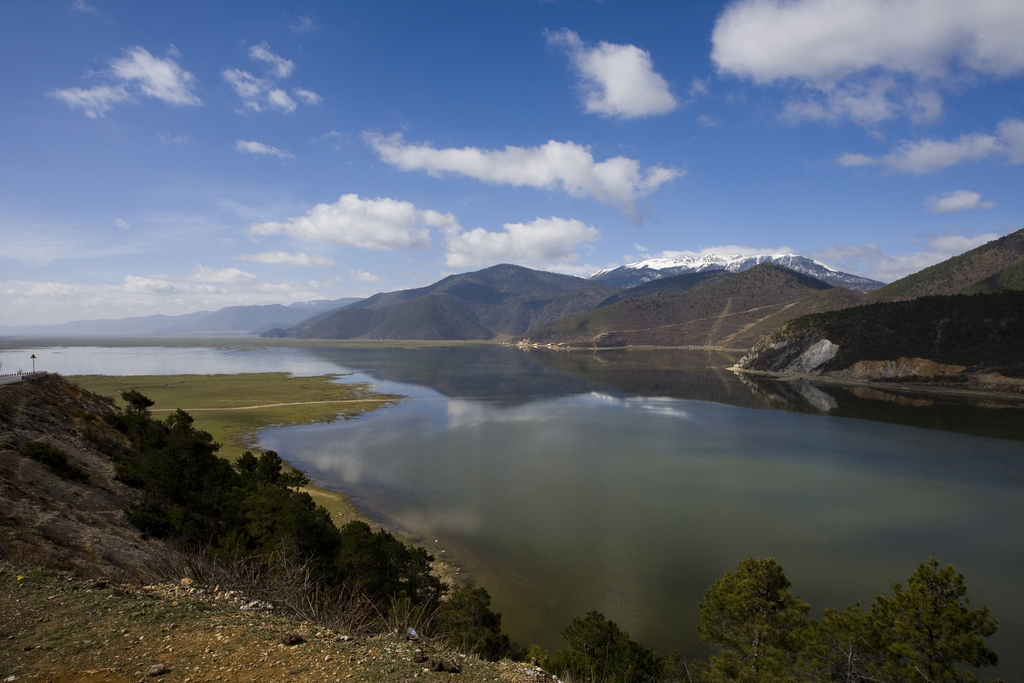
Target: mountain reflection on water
pixel 513 376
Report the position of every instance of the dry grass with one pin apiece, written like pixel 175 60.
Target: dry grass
pixel 57 628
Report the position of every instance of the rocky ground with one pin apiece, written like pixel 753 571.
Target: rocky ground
pixel 49 520
pixel 56 627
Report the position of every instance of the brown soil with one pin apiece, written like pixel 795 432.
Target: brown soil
pixel 54 627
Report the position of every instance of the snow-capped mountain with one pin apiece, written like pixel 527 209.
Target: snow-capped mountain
pixel 633 274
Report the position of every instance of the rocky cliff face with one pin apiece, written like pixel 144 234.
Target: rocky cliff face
pixel 807 353
pixel 789 352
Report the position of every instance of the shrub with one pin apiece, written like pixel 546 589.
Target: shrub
pixel 600 651
pixel 466 621
pixel 54 458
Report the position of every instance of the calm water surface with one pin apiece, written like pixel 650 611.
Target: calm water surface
pixel 629 482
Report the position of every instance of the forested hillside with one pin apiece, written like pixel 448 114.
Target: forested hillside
pixel 497 302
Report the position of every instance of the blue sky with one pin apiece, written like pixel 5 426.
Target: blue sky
pixel 167 157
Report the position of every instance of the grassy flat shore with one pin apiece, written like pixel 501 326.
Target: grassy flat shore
pixel 233 408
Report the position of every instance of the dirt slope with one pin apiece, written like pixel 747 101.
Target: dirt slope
pixel 66 524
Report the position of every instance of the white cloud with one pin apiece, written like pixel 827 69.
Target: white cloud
pixel 708 120
pixel 151 76
pixel 961 200
pixel 850 159
pixel 95 101
pixel 122 223
pixel 248 87
pixel 307 96
pixel 279 98
pixel 282 67
pixel 1011 134
pixel 155 77
pixel 363 276
pixel 619 181
pixel 283 258
pixel 541 241
pixel 615 80
pixel 262 93
pixel 870 261
pixel 868 60
pixel 82 7
pixel 302 24
pixel 41 302
pixel 168 139
pixel 245 146
pixel 930 156
pixel 700 87
pixel 380 223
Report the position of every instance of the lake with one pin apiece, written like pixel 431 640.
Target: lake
pixel 629 481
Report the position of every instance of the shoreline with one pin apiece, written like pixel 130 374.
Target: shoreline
pixel 238 438
pixel 927 389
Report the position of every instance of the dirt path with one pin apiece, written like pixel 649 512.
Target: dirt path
pixel 276 405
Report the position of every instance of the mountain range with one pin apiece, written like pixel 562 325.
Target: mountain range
pixel 229 322
pixel 724 310
pixel 499 302
pixel 700 308
pixel 714 301
pixel 633 274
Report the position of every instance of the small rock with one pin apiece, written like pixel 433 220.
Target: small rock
pixel 443 666
pixel 158 670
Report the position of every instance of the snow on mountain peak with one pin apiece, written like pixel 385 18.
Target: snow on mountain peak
pixel 639 272
pixel 730 262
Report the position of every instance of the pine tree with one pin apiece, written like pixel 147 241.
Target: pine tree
pixel 929 628
pixel 756 622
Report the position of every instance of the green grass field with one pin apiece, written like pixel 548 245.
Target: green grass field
pixel 233 408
